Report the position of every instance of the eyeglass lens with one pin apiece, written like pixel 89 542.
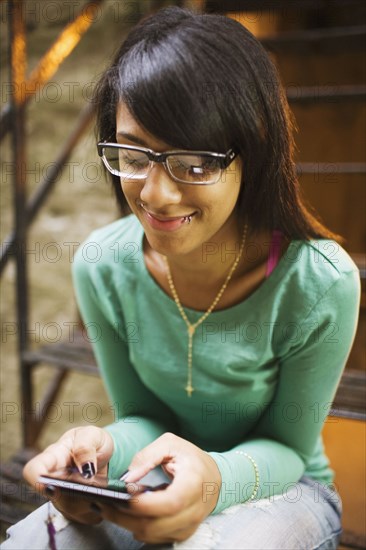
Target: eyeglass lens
pixel 130 164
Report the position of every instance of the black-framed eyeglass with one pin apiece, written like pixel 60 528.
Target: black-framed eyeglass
pixel 192 167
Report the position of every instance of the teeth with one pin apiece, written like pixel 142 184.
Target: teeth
pixel 187 219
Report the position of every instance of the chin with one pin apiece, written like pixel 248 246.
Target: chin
pixel 167 245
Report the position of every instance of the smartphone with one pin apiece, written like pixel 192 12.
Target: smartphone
pixel 99 488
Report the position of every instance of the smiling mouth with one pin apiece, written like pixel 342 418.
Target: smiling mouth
pixel 164 223
pixel 164 219
pixel 176 219
pixel 185 218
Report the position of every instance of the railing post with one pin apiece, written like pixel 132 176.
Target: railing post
pixel 17 77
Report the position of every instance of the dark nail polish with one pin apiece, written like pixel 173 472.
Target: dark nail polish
pixel 124 474
pixel 50 491
pixel 95 508
pixel 88 470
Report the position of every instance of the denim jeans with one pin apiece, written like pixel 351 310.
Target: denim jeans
pixel 307 516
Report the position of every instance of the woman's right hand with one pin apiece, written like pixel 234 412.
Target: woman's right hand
pixel 77 447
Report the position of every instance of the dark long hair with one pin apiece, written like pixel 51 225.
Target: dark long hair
pixel 205 82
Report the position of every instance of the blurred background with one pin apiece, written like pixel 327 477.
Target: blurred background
pixel 54 193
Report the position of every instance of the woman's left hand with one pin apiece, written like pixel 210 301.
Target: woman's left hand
pixel 172 514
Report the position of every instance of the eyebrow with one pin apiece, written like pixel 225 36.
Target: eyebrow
pixel 133 138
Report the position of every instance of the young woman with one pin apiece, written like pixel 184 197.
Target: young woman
pixel 226 312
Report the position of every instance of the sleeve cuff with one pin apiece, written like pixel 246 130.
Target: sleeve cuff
pixel 232 491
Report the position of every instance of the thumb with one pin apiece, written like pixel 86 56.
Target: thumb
pixel 86 443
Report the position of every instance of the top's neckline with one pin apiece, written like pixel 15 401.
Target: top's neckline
pixel 261 292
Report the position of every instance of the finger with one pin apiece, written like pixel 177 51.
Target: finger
pixel 78 510
pixel 177 496
pixel 158 452
pixel 55 457
pixel 86 442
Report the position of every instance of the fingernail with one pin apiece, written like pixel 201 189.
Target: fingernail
pixel 88 470
pixel 50 491
pixel 124 475
pixel 95 508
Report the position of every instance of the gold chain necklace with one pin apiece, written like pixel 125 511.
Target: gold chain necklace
pixel 191 327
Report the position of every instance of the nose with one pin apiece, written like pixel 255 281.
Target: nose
pixel 159 189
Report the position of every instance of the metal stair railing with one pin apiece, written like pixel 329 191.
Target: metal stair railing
pixel 13 119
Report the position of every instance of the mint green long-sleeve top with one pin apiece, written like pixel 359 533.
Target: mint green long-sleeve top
pixel 265 371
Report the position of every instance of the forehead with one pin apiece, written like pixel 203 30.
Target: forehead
pixel 127 125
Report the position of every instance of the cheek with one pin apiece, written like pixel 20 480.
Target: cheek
pixel 223 197
pixel 125 188
pixel 131 191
